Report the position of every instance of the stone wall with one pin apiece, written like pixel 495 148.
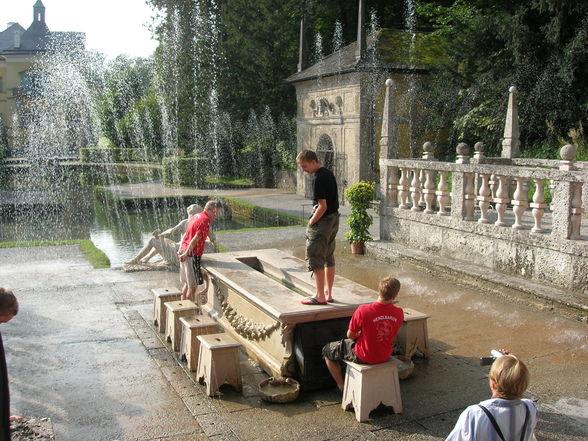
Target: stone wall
pixel 539 258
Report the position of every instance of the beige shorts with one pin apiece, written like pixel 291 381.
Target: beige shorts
pixel 190 271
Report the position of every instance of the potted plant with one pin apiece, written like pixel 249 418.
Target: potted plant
pixel 359 196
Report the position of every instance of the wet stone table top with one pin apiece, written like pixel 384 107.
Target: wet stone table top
pixel 276 282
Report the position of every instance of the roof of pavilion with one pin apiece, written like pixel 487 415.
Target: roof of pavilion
pixel 387 50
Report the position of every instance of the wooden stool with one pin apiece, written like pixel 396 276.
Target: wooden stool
pixel 369 385
pixel 218 361
pixel 413 334
pixel 162 295
pixel 173 327
pixel 191 328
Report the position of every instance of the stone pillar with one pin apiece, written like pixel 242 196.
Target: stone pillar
pixel 361 43
pixel 389 139
pixel 511 142
pixel 303 50
pixel 566 200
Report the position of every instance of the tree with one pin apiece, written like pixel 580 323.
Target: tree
pixel 541 46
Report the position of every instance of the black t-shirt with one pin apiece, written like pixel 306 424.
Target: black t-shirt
pixel 325 187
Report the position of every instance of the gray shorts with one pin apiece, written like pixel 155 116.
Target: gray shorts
pixel 341 350
pixel 320 242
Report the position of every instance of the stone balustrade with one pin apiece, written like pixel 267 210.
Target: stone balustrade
pixel 422 185
pixel 491 212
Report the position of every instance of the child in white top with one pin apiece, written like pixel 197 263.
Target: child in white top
pixel 506 416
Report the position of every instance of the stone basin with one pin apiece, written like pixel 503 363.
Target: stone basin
pixel 255 295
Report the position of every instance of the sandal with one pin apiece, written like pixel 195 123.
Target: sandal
pixel 312 301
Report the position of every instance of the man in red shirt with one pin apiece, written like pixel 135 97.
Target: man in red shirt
pixel 371 332
pixel 192 248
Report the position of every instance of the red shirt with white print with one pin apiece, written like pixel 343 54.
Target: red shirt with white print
pixel 378 324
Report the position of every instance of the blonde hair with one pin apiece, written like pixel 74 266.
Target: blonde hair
pixel 510 377
pixel 306 156
pixel 211 205
pixel 388 288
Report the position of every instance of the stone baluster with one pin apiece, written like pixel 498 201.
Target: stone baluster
pixel 429 155
pixel 469 196
pixel 493 184
pixel 501 200
pixel 484 198
pixel 519 202
pixel 577 210
pixel 403 186
pixel 422 178
pixel 429 191
pixel 538 205
pixel 442 194
pixel 415 189
pixel 459 181
pixel 392 187
pixel 567 199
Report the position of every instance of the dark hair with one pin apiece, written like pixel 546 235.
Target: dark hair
pixel 389 287
pixel 306 156
pixel 8 302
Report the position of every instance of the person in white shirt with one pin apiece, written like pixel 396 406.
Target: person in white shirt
pixel 504 417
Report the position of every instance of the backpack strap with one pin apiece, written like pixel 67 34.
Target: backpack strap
pixel 525 423
pixel 497 428
pixel 493 421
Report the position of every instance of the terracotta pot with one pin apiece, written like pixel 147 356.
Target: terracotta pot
pixel 357 248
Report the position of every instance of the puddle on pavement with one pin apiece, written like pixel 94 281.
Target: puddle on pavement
pixel 468 322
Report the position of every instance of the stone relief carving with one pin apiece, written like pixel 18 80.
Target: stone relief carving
pixel 241 324
pixel 323 108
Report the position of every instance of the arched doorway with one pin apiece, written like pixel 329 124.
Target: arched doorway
pixel 326 152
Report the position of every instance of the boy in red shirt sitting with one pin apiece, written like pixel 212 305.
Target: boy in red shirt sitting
pixel 371 332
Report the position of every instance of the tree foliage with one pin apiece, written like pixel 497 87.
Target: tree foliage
pixel 540 46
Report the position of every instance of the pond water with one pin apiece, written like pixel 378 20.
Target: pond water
pixel 120 234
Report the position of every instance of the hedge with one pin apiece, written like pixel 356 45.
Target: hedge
pixel 189 172
pixel 94 154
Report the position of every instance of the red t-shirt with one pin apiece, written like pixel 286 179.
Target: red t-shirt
pixel 379 323
pixel 198 224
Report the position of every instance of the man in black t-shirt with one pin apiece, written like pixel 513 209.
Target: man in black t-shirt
pixel 322 227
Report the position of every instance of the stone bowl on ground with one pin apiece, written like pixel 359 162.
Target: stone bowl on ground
pixel 279 390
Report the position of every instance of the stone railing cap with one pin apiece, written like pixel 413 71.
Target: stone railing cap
pixel 462 149
pixel 567 152
pixel 428 147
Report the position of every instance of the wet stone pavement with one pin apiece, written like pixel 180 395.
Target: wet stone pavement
pixel 82 352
